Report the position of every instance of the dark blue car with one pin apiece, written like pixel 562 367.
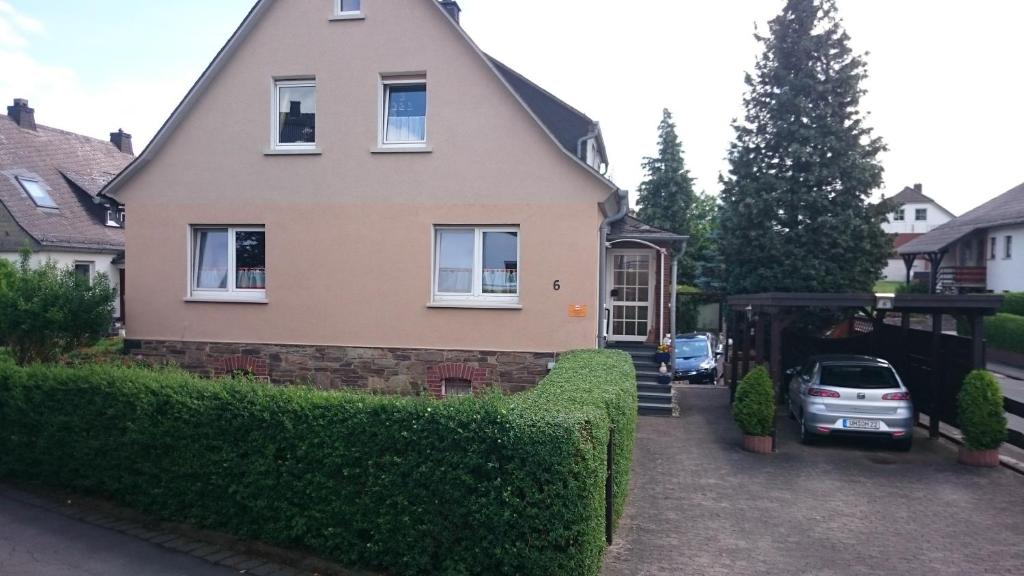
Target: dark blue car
pixel 696 359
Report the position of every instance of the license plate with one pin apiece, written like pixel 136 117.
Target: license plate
pixel 862 424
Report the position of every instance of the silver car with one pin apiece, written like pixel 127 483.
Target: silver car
pixel 851 395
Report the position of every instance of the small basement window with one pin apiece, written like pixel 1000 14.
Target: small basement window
pixel 37 192
pixel 456 387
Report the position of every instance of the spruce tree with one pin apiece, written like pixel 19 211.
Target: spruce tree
pixel 666 197
pixel 796 215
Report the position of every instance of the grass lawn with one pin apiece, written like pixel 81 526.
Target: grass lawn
pixel 886 286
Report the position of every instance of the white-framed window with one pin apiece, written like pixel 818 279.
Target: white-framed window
pixel 294 114
pixel 228 263
pixel 403 112
pixel 38 192
pixel 85 270
pixel 1008 248
pixel 348 7
pixel 476 264
pixel 115 218
pixel 921 214
pixel 900 215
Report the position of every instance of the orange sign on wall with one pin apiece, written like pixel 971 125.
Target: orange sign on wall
pixel 578 311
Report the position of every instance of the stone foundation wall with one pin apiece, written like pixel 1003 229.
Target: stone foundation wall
pixel 386 370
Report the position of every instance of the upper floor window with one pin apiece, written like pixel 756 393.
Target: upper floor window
pixel 346 7
pixel 404 112
pixel 900 215
pixel 921 214
pixel 229 262
pixel 992 248
pixel 37 192
pixel 479 264
pixel 1008 249
pixel 295 114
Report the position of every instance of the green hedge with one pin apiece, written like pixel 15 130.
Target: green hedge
pixel 1013 303
pixel 1005 332
pixel 486 485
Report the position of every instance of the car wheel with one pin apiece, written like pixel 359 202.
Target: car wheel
pixel 806 438
pixel 905 444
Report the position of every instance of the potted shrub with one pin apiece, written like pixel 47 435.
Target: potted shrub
pixel 982 419
pixel 754 410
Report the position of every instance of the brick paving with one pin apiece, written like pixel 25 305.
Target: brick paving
pixel 701 506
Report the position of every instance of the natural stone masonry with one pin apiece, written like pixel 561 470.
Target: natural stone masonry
pixel 404 371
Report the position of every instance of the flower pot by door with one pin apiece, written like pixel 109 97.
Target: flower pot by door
pixel 980 458
pixel 757 444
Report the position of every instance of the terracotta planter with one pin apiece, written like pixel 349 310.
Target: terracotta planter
pixel 757 444
pixel 980 458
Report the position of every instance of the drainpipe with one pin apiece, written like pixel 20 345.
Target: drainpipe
pixel 602 279
pixel 675 298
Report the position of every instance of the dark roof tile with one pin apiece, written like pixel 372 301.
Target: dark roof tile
pixel 74 168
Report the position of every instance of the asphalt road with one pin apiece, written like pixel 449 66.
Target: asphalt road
pixel 37 542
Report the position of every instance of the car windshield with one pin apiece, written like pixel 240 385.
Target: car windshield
pixel 691 348
pixel 862 377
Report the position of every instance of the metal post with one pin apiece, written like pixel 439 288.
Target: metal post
pixel 609 491
pixel 937 390
pixel 978 340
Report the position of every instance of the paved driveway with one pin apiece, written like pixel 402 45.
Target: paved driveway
pixel 38 542
pixel 701 506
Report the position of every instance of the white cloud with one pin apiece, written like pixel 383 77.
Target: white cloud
pixel 15 26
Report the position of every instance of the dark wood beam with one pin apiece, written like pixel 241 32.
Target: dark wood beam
pixel 760 336
pixel 978 340
pixel 908 261
pixel 936 373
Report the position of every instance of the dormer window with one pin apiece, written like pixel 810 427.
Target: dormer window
pixel 37 192
pixel 115 218
pixel 348 10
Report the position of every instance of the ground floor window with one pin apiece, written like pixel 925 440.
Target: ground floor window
pixel 476 264
pixel 229 262
pixel 85 270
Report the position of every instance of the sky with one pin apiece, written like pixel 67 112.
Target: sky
pixel 946 85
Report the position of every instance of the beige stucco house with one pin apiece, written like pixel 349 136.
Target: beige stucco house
pixel 354 194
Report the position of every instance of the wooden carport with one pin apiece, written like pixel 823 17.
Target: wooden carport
pixel 759 321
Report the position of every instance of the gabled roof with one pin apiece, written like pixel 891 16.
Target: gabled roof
pixel 567 124
pixel 630 228
pixel 542 100
pixel 1004 210
pixel 50 156
pixel 914 195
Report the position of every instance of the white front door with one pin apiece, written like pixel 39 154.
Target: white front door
pixel 631 293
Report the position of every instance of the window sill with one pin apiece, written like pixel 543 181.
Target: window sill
pixel 347 16
pixel 226 300
pixel 292 152
pixel 401 150
pixel 472 304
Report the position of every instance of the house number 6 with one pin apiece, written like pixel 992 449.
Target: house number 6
pixel 557 285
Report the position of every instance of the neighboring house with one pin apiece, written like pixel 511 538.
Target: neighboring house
pixel 375 202
pixel 979 251
pixel 50 200
pixel 915 215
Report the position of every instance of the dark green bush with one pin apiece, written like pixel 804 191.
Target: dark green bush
pixel 754 408
pixel 1005 332
pixel 915 287
pixel 982 418
pixel 1013 303
pixel 485 485
pixel 46 311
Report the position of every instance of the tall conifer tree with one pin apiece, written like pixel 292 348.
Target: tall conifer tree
pixel 796 215
pixel 666 197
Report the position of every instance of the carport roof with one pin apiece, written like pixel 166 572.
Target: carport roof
pixel 934 303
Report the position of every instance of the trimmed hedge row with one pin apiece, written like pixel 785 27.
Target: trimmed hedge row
pixel 1013 303
pixel 485 485
pixel 1005 332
